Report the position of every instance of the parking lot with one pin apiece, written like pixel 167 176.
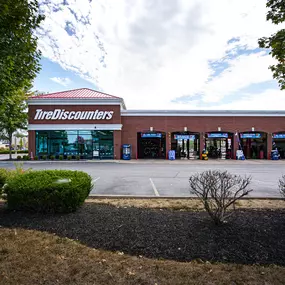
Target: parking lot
pixel 165 178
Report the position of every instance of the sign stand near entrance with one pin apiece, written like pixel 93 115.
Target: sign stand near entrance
pixel 171 155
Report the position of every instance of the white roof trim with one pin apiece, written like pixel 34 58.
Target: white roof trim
pixel 88 127
pixel 75 101
pixel 200 113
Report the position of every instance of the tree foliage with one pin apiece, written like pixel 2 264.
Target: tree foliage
pixel 19 56
pixel 219 191
pixel 13 115
pixel 276 42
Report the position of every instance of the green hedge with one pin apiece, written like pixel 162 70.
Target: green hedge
pixel 48 190
pixel 5 174
pixel 7 151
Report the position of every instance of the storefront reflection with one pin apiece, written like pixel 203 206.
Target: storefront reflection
pixel 86 144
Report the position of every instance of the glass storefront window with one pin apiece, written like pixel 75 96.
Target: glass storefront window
pixel 87 144
pixel 42 143
pixel 85 132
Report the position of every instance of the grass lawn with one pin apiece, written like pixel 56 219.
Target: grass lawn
pixel 144 241
pixel 32 257
pixel 187 204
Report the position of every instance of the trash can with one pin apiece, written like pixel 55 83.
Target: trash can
pixel 126 151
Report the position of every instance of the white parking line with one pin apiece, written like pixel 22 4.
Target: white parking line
pixel 96 179
pixel 154 188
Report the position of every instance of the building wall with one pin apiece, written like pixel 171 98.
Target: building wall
pixel 32 143
pixel 132 125
pixel 116 119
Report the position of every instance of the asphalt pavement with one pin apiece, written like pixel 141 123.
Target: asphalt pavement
pixel 164 178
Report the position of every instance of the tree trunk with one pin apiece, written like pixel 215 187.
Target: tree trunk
pixel 10 147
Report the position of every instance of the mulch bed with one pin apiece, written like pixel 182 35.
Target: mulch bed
pixel 252 237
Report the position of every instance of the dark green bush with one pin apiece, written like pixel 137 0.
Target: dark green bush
pixel 44 157
pixel 26 157
pixel 60 157
pixel 69 157
pixel 6 151
pixel 48 190
pixel 19 157
pixel 52 157
pixel 36 158
pixel 4 173
pixel 78 157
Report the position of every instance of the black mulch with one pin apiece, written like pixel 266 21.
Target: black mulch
pixel 253 237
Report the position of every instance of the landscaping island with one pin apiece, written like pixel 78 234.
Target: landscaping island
pixel 51 233
pixel 127 243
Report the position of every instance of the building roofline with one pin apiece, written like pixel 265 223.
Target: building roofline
pixel 77 101
pixel 44 99
pixel 65 91
pixel 250 113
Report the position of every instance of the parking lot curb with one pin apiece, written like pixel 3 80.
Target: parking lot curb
pixel 99 196
pixel 154 162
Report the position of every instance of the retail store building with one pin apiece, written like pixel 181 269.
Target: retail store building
pixel 95 125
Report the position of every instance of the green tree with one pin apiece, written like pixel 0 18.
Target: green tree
pixel 19 55
pixel 13 116
pixel 276 42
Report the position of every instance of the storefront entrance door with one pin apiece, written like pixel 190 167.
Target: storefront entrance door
pixel 103 146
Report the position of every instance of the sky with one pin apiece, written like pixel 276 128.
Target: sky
pixel 161 54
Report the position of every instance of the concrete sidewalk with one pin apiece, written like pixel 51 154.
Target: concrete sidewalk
pixel 160 162
pixel 196 161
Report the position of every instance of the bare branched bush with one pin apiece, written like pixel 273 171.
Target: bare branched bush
pixel 219 191
pixel 282 185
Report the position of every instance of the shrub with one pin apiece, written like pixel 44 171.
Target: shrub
pixel 19 157
pixel 218 191
pixel 19 167
pixel 4 174
pixel 282 186
pixel 26 157
pixel 52 157
pixel 60 157
pixel 44 157
pixel 48 190
pixel 6 151
pixel 36 158
pixel 78 157
pixel 69 157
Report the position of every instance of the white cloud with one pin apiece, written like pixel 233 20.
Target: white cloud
pixel 153 51
pixel 243 71
pixel 269 99
pixel 62 81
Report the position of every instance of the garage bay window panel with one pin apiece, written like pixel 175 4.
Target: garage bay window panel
pixel 86 144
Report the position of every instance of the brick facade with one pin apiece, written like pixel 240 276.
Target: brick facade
pixel 131 125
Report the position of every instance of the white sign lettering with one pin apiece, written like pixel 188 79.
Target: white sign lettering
pixel 61 114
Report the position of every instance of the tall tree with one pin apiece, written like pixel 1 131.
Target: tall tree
pixel 19 55
pixel 276 42
pixel 13 116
